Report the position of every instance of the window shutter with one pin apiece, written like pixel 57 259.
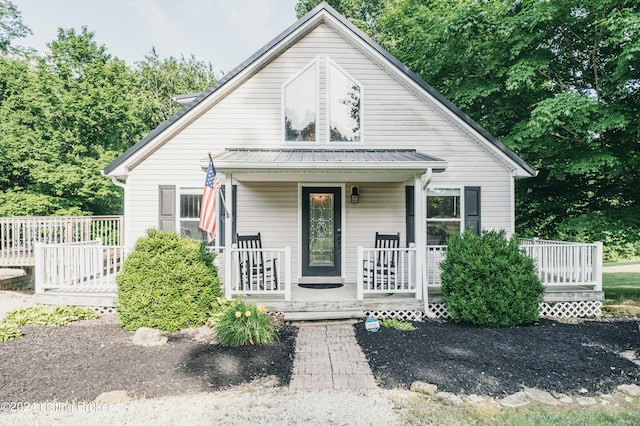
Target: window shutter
pixel 472 209
pixel 410 214
pixel 167 208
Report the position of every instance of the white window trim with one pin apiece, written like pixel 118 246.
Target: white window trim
pixel 444 219
pixel 330 62
pixel 316 62
pixel 179 219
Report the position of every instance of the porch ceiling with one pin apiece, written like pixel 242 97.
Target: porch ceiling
pixel 321 165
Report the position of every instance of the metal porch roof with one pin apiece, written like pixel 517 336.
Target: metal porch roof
pixel 389 165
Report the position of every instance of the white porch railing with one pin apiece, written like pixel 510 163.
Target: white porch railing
pixel 558 263
pixel 388 270
pixel 83 267
pixel 20 234
pixel 566 264
pixel 259 272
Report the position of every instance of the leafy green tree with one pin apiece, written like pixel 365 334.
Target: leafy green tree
pixel 76 110
pixel 159 80
pixel 11 26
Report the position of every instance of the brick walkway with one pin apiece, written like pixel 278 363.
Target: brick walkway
pixel 328 357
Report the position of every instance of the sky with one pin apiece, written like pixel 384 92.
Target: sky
pixel 222 32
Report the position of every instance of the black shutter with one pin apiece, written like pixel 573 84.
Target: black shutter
pixel 167 208
pixel 410 202
pixel 472 209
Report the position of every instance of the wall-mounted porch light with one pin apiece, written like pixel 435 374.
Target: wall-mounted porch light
pixel 355 195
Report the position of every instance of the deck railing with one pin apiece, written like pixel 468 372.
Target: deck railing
pixel 387 270
pixel 20 234
pixel 260 271
pixel 566 264
pixel 83 266
pixel 558 263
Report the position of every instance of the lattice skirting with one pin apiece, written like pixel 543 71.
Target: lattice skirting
pixel 101 310
pixel 399 315
pixel 580 309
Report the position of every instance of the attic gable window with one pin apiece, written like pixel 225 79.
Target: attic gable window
pixel 300 105
pixel 344 106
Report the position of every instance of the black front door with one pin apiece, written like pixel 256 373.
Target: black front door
pixel 321 231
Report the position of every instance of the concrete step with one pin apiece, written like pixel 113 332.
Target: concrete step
pixel 325 315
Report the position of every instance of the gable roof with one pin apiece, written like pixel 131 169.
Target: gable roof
pixel 321 13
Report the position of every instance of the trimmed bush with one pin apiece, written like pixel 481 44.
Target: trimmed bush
pixel 240 323
pixel 488 281
pixel 168 282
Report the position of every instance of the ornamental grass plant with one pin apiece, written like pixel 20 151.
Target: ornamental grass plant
pixel 240 323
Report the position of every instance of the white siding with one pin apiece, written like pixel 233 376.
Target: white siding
pixel 393 116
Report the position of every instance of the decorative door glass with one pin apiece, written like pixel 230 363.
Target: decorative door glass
pixel 321 229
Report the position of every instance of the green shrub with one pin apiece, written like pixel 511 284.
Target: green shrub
pixel 240 323
pixel 48 315
pixel 488 281
pixel 9 331
pixel 168 282
pixel 397 324
pixel 41 315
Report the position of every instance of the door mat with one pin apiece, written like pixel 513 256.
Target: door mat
pixel 321 286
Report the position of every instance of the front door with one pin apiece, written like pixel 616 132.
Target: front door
pixel 321 231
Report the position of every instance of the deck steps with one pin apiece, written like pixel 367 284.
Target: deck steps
pixel 320 316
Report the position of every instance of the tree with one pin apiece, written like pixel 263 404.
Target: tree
pixel 159 80
pixel 11 26
pixel 76 111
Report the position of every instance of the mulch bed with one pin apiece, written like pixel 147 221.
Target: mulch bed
pixel 550 355
pixel 80 361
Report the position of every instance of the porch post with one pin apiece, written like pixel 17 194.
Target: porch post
pixel 228 239
pixel 419 234
pixel 597 266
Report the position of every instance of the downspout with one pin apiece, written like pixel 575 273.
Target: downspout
pixel 421 203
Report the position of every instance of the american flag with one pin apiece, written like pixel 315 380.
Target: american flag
pixel 209 197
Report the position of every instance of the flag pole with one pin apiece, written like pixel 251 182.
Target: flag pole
pixel 224 202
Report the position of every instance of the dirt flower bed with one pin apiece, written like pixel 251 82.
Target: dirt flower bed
pixel 579 357
pixel 79 361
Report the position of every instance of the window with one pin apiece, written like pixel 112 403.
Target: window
pixel 190 201
pixel 443 215
pixel 300 105
pixel 344 106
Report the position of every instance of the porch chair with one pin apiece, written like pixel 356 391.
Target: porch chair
pixel 382 270
pixel 252 266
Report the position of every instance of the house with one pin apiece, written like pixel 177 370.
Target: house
pixel 322 139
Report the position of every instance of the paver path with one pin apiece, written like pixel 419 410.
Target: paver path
pixel 328 356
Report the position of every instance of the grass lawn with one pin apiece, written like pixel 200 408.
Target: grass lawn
pixel 421 409
pixel 621 284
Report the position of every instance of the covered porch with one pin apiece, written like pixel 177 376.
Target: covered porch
pixel 84 274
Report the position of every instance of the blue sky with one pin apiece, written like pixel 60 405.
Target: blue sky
pixel 223 32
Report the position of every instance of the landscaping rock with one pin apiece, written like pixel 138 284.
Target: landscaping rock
pixel 449 397
pixel 541 396
pixel 112 397
pixel 425 388
pixel 516 400
pixel 632 390
pixel 631 356
pixel 585 400
pixel 475 399
pixel 149 337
